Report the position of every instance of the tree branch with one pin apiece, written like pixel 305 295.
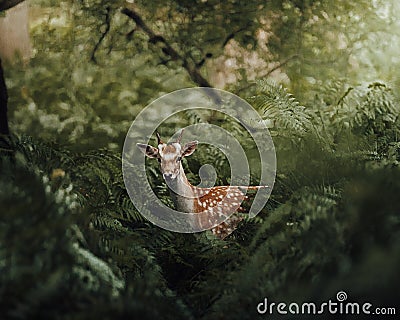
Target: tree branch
pixel 281 64
pixel 232 35
pixel 103 34
pixel 154 38
pixel 270 71
pixel 7 4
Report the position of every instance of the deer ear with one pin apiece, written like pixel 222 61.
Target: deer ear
pixel 189 148
pixel 148 150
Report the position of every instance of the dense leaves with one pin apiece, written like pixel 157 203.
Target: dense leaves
pixel 72 244
pixel 68 226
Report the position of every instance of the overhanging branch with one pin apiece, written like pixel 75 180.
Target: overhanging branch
pixel 191 68
pixel 103 34
pixel 281 64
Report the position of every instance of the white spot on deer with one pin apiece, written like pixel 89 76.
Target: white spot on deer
pixel 160 148
pixel 169 156
pixel 177 147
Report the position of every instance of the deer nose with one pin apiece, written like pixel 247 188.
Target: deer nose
pixel 167 175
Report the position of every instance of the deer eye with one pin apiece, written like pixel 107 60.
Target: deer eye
pixel 178 159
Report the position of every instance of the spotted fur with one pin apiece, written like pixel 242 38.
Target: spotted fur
pixel 220 202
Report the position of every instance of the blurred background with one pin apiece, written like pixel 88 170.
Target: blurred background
pixel 82 70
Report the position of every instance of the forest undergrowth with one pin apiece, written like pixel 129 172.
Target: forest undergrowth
pixel 73 246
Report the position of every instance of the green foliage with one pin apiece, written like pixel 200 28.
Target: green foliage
pixel 93 66
pixel 329 39
pixel 368 108
pixel 71 237
pixel 73 246
pixel 63 96
pixel 282 113
pixel 44 265
pixel 45 239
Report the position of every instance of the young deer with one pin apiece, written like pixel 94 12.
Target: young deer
pixel 219 201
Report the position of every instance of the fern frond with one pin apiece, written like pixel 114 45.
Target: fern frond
pixel 281 108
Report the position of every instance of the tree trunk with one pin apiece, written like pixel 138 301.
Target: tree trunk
pixel 14 32
pixel 14 37
pixel 3 104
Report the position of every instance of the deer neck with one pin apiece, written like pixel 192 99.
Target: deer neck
pixel 183 198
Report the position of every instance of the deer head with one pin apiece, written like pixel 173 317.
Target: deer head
pixel 169 155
